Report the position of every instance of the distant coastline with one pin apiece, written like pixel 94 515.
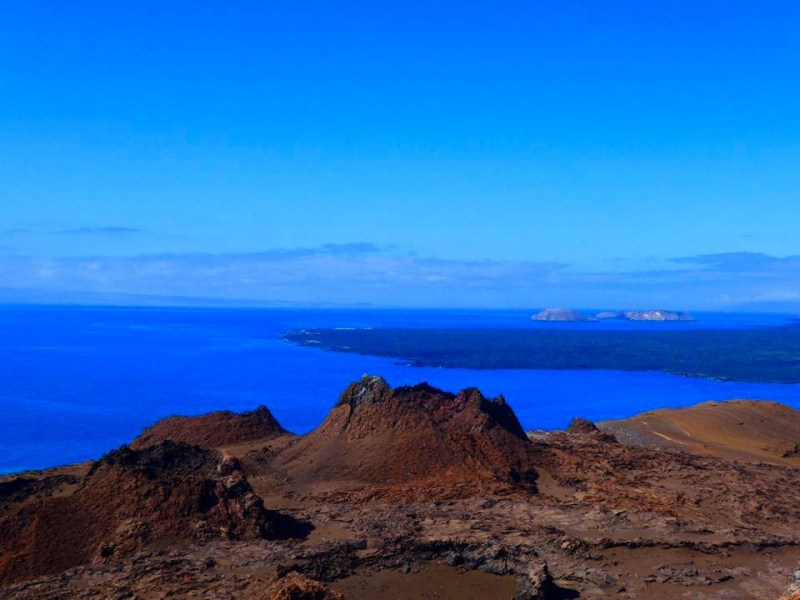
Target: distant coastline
pixel 763 355
pixel 122 362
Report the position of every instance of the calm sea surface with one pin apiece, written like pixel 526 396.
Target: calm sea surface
pixel 76 382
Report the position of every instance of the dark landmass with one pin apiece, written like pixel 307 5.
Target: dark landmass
pixel 647 315
pixel 561 314
pixel 414 493
pixel 756 355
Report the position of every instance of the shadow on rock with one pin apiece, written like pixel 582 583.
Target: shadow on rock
pixel 286 527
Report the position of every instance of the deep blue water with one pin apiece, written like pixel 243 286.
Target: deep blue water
pixel 76 382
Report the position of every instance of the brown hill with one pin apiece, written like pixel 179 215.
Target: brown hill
pixel 412 437
pixel 213 429
pixel 168 493
pixel 750 430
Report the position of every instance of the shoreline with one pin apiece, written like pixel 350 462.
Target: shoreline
pixel 758 356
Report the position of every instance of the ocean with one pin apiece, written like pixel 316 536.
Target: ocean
pixel 76 382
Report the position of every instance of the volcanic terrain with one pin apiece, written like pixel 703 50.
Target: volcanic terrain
pixel 412 441
pixel 214 429
pixel 737 429
pixel 166 494
pixel 414 493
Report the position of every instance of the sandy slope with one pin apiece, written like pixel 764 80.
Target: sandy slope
pixel 749 430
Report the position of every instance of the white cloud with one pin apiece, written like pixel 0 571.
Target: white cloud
pixel 363 273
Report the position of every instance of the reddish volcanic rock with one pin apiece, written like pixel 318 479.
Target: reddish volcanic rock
pixel 294 586
pixel 15 490
pixel 415 436
pixel 584 428
pixel 713 493
pixel 371 495
pixel 579 425
pixel 213 429
pixel 170 492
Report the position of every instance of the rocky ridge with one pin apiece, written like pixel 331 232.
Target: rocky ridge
pixel 213 429
pixel 575 513
pixel 128 500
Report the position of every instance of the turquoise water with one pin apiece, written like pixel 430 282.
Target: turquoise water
pixel 76 382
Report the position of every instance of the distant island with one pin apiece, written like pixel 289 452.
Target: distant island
pixel 647 315
pixel 561 314
pixel 567 315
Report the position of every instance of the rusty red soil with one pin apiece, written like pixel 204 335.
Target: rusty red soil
pixel 434 492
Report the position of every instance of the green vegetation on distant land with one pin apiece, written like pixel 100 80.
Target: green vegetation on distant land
pixel 756 355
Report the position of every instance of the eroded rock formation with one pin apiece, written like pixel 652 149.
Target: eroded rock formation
pixel 167 493
pixel 214 429
pixel 416 441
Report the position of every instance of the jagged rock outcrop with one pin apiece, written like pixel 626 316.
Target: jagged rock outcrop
pixel 585 428
pixel 170 492
pixel 213 429
pixel 579 425
pixel 415 437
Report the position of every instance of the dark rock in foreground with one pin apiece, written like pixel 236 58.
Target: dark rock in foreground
pixel 166 493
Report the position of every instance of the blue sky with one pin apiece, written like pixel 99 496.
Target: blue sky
pixel 402 153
